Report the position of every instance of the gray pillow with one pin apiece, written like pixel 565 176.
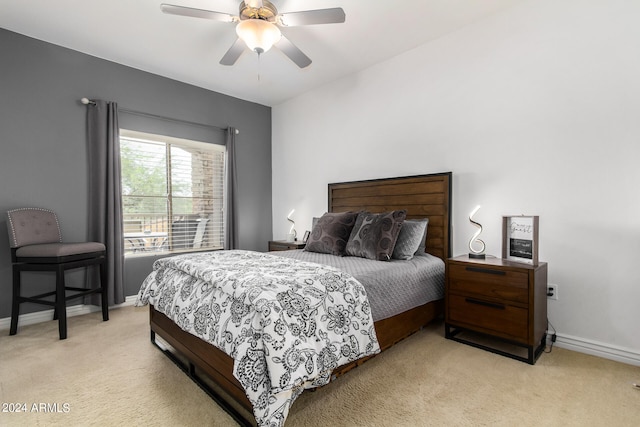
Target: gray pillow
pixel 331 232
pixel 374 235
pixel 411 240
pixel 314 222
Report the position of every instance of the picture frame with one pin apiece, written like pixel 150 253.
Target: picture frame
pixel 306 236
pixel 520 238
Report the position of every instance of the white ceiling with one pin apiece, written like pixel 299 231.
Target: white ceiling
pixel 137 34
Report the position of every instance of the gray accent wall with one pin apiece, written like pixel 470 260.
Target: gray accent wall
pixel 43 155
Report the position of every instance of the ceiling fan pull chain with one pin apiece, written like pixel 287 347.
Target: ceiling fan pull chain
pixel 259 67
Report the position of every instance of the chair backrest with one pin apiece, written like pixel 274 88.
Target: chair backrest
pixel 31 226
pixel 202 227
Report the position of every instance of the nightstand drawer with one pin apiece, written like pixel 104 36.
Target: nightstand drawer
pixel 497 318
pixel 282 245
pixel 490 282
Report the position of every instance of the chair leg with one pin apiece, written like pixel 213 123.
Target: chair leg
pixel 105 290
pixel 15 305
pixel 61 308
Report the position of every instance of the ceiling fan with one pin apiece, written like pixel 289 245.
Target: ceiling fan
pixel 257 27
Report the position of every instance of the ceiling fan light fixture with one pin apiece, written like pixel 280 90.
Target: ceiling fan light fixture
pixel 257 27
pixel 259 35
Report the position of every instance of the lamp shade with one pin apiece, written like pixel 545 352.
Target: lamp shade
pixel 258 34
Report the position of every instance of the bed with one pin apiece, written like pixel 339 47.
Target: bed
pixel 423 196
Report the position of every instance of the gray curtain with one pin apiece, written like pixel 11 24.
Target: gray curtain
pixel 230 196
pixel 105 195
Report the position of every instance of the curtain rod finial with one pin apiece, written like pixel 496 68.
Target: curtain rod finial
pixel 87 101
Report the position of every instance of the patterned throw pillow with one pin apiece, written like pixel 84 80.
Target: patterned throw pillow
pixel 374 235
pixel 412 239
pixel 330 234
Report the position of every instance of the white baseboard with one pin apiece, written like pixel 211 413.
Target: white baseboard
pixel 594 348
pixel 47 315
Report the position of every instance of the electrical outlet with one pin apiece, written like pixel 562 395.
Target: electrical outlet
pixel 552 291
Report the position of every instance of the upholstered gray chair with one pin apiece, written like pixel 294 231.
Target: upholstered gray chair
pixel 36 245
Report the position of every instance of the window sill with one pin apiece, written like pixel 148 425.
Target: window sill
pixel 163 254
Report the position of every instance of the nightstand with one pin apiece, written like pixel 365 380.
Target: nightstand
pixel 283 245
pixel 497 305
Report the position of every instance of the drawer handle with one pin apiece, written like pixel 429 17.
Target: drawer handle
pixel 484 303
pixel 486 270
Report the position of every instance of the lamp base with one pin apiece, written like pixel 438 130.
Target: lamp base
pixel 476 256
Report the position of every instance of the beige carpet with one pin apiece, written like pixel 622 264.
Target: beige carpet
pixel 109 374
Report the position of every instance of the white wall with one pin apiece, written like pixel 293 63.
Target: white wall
pixel 535 111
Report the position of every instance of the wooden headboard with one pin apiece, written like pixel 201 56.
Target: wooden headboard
pixel 423 196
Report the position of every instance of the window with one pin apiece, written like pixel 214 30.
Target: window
pixel 172 193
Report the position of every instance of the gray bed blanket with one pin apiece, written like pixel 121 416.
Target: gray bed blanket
pixel 392 286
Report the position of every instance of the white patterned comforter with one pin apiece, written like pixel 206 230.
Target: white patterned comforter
pixel 286 323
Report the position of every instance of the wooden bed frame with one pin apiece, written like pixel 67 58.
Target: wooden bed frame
pixel 422 196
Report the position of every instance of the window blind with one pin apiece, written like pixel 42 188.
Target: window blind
pixel 172 193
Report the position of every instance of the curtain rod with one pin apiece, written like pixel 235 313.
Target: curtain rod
pixel 87 101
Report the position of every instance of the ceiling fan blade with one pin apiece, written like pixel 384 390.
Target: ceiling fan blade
pixel 233 53
pixel 294 54
pixel 312 17
pixel 195 13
